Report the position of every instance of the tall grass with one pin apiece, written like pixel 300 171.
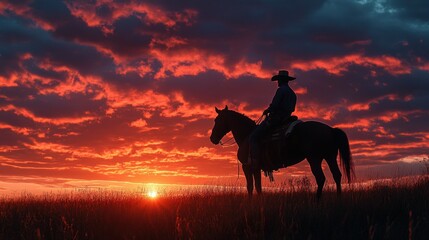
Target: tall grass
pixel 383 211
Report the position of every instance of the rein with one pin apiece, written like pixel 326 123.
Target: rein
pixel 224 144
pixel 260 119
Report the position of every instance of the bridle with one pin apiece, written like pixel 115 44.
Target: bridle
pixel 224 144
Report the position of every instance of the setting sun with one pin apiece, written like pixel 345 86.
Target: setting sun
pixel 152 194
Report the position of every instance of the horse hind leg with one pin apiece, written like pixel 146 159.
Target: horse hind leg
pixel 248 173
pixel 257 177
pixel 336 173
pixel 316 169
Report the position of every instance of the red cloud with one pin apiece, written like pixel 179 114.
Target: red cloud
pixel 424 67
pixel 152 14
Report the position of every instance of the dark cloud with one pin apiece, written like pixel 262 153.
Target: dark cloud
pixel 11 138
pixel 104 11
pixel 50 11
pixel 44 47
pixel 17 93
pixel 12 35
pixel 9 118
pixel 32 67
pixel 211 86
pixel 73 105
pixel 129 38
pixel 415 10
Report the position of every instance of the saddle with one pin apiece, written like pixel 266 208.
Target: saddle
pixel 275 149
pixel 284 129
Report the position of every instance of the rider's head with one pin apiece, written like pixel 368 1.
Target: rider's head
pixel 282 78
pixel 282 82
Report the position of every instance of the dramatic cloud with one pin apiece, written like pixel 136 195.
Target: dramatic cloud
pixel 124 91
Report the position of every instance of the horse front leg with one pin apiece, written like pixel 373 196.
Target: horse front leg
pixel 248 173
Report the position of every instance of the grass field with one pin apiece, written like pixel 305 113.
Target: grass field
pixel 386 210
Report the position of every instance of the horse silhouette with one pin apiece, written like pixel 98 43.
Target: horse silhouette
pixel 311 140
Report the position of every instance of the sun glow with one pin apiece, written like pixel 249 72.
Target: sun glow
pixel 152 194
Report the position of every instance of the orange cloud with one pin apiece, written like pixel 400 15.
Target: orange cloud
pixel 193 62
pixel 185 109
pixel 9 81
pixel 142 125
pixel 384 150
pixel 414 158
pixel 138 159
pixel 55 121
pixel 308 111
pixel 362 143
pixel 358 123
pixel 366 105
pixel 337 65
pixel 173 105
pixel 358 107
pixel 5 149
pixel 300 90
pixel 148 98
pixel 20 130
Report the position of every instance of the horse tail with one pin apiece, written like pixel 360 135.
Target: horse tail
pixel 345 153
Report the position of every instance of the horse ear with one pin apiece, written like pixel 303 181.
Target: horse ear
pixel 226 107
pixel 217 110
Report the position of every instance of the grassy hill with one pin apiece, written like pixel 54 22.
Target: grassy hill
pixel 386 210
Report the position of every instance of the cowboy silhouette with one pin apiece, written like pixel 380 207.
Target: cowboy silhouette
pixel 281 108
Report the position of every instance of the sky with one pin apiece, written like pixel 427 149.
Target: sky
pixel 111 92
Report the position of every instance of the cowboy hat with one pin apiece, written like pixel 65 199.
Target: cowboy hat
pixel 283 75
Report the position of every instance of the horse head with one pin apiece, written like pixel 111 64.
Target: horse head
pixel 221 127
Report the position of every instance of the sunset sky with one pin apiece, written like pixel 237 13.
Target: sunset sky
pixel 105 92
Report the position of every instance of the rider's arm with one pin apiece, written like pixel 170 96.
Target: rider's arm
pixel 277 100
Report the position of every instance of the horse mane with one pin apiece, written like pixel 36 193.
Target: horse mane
pixel 243 117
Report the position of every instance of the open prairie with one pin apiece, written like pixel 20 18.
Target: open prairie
pixel 385 210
